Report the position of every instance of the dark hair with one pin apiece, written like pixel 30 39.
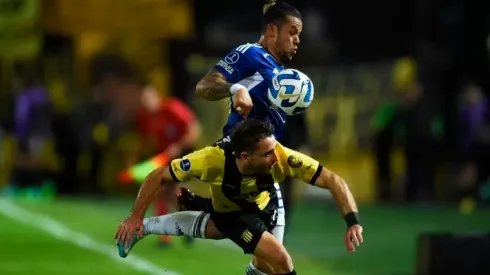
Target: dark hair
pixel 247 133
pixel 276 12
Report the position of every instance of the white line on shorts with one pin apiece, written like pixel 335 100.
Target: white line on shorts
pixel 64 233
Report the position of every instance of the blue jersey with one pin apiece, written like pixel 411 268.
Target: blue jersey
pixel 253 67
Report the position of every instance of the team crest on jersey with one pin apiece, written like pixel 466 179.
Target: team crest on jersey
pixel 247 236
pixel 185 165
pixel 232 58
pixel 294 162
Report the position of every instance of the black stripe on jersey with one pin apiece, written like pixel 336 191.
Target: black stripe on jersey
pixel 232 180
pixel 265 183
pixel 316 175
pixel 172 173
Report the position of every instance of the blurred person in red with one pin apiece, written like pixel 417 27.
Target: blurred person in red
pixel 166 125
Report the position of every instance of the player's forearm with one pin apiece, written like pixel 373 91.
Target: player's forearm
pixel 147 192
pixel 339 189
pixel 213 87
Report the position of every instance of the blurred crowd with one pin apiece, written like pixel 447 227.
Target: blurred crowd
pixel 54 140
pixel 440 164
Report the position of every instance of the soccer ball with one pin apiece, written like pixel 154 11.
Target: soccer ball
pixel 291 91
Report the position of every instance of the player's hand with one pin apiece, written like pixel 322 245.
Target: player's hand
pixel 127 228
pixel 242 102
pixel 353 237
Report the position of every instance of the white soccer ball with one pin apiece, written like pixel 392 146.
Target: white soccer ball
pixel 291 91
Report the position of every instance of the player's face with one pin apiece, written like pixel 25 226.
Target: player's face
pixel 264 158
pixel 287 41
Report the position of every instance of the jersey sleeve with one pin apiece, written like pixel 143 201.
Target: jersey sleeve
pixel 194 165
pixel 238 63
pixel 297 165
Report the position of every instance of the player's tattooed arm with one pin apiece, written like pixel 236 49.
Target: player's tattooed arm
pixel 213 86
pixel 339 189
pixel 149 189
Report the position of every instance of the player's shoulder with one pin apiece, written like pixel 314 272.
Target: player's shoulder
pixel 282 151
pixel 289 157
pixel 211 156
pixel 252 51
pixel 249 48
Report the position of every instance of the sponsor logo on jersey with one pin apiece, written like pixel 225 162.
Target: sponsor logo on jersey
pixel 294 162
pixel 185 165
pixel 226 66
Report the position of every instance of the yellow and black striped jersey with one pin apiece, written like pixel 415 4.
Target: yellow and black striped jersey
pixel 230 190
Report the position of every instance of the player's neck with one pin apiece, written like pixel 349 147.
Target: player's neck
pixel 244 168
pixel 264 42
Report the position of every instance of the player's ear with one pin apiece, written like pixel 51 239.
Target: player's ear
pixel 272 30
pixel 244 155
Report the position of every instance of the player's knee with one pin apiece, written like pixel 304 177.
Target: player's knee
pixel 274 253
pixel 282 263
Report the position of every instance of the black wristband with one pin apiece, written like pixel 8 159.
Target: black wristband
pixel 351 219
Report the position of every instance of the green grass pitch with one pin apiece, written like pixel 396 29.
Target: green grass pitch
pixel 73 236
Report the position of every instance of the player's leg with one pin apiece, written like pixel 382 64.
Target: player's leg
pixel 273 253
pixel 249 231
pixel 258 266
pixel 188 223
pixel 161 208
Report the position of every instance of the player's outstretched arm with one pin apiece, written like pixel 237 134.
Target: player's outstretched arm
pixel 213 86
pixel 339 189
pixel 345 201
pixel 149 189
pixel 134 223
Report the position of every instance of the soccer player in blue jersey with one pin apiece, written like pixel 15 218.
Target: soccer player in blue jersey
pixel 245 73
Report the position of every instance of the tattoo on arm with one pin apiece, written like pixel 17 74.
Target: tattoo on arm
pixel 339 189
pixel 213 86
pixel 149 189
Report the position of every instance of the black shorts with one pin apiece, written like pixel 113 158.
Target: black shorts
pixel 245 228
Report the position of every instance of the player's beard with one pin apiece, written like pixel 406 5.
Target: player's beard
pixel 285 57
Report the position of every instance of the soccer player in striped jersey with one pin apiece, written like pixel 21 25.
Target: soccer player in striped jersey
pixel 241 174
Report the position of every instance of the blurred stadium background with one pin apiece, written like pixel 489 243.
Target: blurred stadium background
pixel 400 111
